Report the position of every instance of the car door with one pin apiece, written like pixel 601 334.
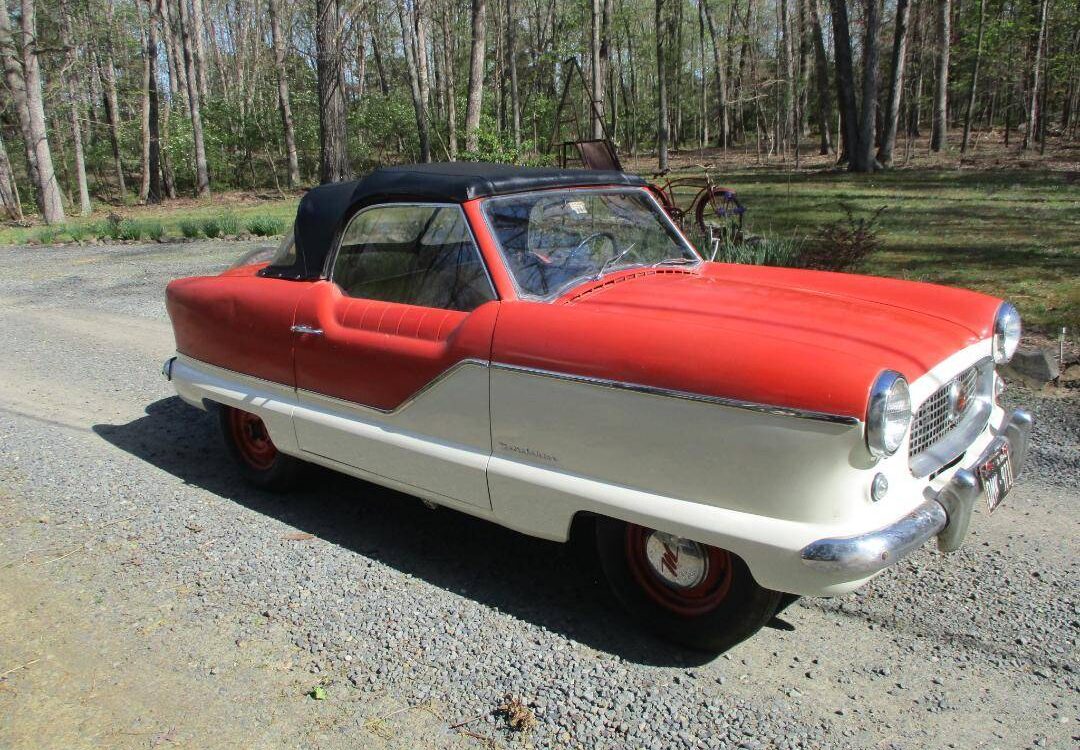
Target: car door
pixel 392 352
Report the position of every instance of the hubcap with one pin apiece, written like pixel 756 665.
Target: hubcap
pixel 252 440
pixel 678 562
pixel 681 575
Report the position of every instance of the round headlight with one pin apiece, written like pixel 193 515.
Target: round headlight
pixel 888 415
pixel 1006 333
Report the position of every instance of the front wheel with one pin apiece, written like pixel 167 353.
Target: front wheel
pixel 259 460
pixel 693 594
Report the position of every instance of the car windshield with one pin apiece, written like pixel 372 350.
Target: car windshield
pixel 553 240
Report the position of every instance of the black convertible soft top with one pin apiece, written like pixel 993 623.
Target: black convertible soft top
pixel 323 210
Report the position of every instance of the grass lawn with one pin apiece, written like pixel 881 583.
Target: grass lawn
pixel 239 208
pixel 1014 234
pixel 1009 232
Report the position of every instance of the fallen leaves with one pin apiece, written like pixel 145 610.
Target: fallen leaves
pixel 519 717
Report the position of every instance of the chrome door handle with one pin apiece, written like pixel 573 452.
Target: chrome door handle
pixel 307 329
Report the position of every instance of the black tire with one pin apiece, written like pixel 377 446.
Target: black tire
pixel 733 611
pixel 259 461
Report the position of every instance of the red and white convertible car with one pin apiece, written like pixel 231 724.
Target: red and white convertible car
pixel 545 349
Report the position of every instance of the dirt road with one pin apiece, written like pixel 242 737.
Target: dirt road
pixel 149 599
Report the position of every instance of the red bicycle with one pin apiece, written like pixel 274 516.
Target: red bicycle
pixel 699 203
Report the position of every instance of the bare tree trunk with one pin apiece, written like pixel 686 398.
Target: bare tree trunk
pixel 863 161
pixel 9 193
pixel 198 29
pixel 283 93
pixel 334 157
pixel 661 89
pixel 423 69
pixel 596 113
pixel 49 200
pixel 376 52
pixel 167 175
pixel 974 78
pixel 112 116
pixel 511 63
pixel 941 89
pixel 788 112
pixel 1033 110
pixel 821 72
pixel 896 82
pixel 409 21
pixel 721 73
pixel 845 80
pixel 202 171
pixel 13 76
pixel 144 116
pixel 174 55
pixel 476 75
pixel 73 111
pixel 153 161
pixel 451 82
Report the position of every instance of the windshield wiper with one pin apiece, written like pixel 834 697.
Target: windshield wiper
pixel 676 262
pixel 613 260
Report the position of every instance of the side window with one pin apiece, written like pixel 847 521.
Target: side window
pixel 412 254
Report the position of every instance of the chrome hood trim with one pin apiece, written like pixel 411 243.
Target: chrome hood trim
pixel 777 411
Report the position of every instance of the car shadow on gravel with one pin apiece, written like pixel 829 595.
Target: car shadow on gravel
pixel 548 584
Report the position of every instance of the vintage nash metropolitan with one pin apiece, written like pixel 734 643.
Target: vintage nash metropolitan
pixel 544 348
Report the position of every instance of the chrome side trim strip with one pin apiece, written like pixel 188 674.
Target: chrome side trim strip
pixel 779 411
pixel 459 365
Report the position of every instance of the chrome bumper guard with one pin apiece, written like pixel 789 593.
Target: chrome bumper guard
pixel 166 367
pixel 945 515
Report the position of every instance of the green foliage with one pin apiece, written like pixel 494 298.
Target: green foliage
pixel 499 147
pixel 191 228
pixel 844 244
pixel 760 251
pixel 113 227
pixel 380 127
pixel 265 226
pixel 153 230
pixel 212 227
pixel 47 235
pixel 130 229
pixel 317 693
pixel 229 224
pixel 79 232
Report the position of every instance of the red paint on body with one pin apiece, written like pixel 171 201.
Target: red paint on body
pixel 380 353
pixel 783 337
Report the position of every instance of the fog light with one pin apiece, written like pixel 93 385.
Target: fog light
pixel 879 487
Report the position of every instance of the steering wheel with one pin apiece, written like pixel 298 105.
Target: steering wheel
pixel 572 256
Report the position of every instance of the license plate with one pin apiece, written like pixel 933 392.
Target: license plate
pixel 996 476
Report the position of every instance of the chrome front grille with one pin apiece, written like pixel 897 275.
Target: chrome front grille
pixel 950 420
pixel 938 414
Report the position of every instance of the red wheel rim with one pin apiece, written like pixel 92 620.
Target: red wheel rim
pixel 252 440
pixel 702 583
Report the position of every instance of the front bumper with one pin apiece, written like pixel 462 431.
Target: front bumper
pixel 945 514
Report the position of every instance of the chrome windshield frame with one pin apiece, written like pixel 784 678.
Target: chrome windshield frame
pixel 662 214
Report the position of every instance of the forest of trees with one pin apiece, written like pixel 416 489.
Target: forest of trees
pixel 140 100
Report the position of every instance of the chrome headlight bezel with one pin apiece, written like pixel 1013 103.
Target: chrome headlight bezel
pixel 1007 330
pixel 888 414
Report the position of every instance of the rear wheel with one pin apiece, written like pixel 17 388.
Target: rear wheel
pixel 250 446
pixel 693 594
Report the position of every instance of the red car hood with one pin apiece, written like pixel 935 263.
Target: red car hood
pixel 784 337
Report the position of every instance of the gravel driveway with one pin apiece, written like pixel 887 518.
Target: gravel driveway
pixel 149 599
